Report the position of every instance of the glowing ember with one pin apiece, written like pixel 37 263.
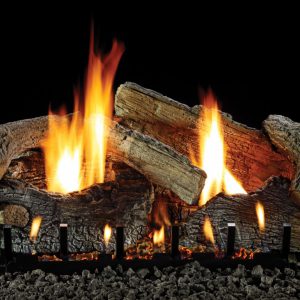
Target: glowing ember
pixel 85 256
pixel 213 155
pixel 46 257
pixel 159 236
pixel 107 234
pixel 185 252
pixel 142 250
pixel 74 142
pixel 208 230
pixel 35 227
pixel 244 253
pixel 260 212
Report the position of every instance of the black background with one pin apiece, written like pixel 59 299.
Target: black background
pixel 248 56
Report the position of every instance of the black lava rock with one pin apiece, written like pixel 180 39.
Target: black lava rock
pixel 191 281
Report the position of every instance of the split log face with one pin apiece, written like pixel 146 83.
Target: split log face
pixel 28 167
pixel 285 135
pixel 126 201
pixel 240 209
pixel 250 155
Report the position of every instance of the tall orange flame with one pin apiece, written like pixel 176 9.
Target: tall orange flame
pixel 75 148
pixel 98 106
pixel 260 212
pixel 212 153
pixel 35 227
pixel 208 230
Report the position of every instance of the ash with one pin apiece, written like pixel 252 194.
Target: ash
pixel 191 281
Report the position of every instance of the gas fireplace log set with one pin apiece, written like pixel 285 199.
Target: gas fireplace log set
pixel 149 127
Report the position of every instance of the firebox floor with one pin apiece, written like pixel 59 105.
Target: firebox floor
pixel 191 281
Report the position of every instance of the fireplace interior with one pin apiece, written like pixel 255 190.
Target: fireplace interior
pixel 184 194
pixel 155 223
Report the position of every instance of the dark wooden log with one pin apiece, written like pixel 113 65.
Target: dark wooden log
pixel 250 155
pixel 159 163
pixel 125 201
pixel 285 135
pixel 278 207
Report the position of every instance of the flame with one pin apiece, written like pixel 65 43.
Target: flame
pixel 63 153
pixel 107 234
pixel 159 236
pixel 208 230
pixel 35 227
pixel 98 107
pixel 213 154
pixel 260 212
pixel 231 185
pixel 75 148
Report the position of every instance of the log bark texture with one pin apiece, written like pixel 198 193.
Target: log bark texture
pixel 285 135
pixel 126 201
pixel 159 163
pixel 250 155
pixel 221 210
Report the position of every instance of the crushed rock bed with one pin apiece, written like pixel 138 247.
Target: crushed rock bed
pixel 191 281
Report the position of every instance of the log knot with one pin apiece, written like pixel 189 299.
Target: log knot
pixel 15 215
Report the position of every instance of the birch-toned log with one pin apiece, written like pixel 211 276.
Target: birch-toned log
pixel 125 201
pixel 285 135
pixel 250 155
pixel 240 209
pixel 158 162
